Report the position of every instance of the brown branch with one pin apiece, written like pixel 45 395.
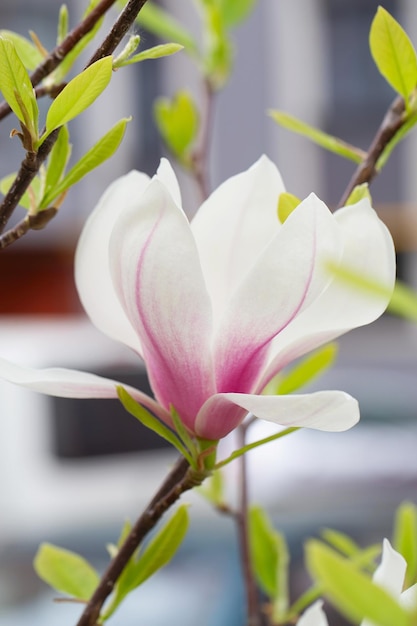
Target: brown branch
pixel 32 162
pixel 181 479
pixel 366 171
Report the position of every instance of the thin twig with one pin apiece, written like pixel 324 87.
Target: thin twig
pixel 254 610
pixel 393 120
pixel 181 479
pixel 200 154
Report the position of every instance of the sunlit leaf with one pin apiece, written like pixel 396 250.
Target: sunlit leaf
pixel 156 52
pixel 177 121
pixel 393 53
pixel 213 489
pixel 351 591
pixel 62 24
pixel 405 539
pixel 66 571
pixel 148 420
pixel 32 192
pixel 234 12
pixel 359 193
pixel 79 94
pixel 287 202
pixel 100 152
pixel 28 53
pixel 340 541
pixel 158 553
pixel 16 87
pixel 57 160
pixel 333 144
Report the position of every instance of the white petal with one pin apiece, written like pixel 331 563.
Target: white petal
pixel 313 616
pixel 286 278
pixel 156 271
pixel 390 573
pixel 367 249
pixel 92 274
pixel 166 175
pixel 234 225
pixel 331 411
pixel 66 383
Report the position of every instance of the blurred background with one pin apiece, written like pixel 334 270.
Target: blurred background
pixel 71 471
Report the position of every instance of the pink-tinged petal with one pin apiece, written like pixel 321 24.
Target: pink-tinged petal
pixel 331 411
pixel 167 176
pixel 287 277
pixel 313 616
pixel 366 248
pixel 234 225
pixel 92 273
pixel 156 271
pixel 66 383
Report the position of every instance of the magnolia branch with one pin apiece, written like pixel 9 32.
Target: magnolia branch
pixel 366 171
pixel 32 162
pixel 181 479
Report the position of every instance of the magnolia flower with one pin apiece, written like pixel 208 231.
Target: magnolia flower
pixel 390 575
pixel 218 307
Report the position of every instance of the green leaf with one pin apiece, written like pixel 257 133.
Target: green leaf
pixel 213 489
pixel 100 152
pixel 251 446
pixel 30 197
pixel 158 553
pixel 287 202
pixel 330 143
pixel 177 121
pixel 28 53
pixel 218 56
pixel 66 571
pixel 57 160
pixel 340 541
pixel 79 94
pixel 234 12
pixel 405 539
pixel 156 52
pixel 270 560
pixel 148 420
pixel 62 24
pixel 16 87
pixel 304 372
pixel 160 23
pixel 359 193
pixel 393 53
pixel 352 592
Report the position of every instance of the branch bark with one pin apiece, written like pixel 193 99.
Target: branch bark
pixel 181 479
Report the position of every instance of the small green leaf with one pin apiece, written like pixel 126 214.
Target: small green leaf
pixel 79 94
pixel 405 539
pixel 340 541
pixel 270 559
pixel 28 53
pixel 359 193
pixel 30 197
pixel 16 87
pixel 352 592
pixel 158 553
pixel 306 370
pixel 213 489
pixel 160 23
pixel 57 160
pixel 100 152
pixel 287 202
pixel 66 571
pixel 235 12
pixel 218 56
pixel 177 121
pixel 156 52
pixel 328 142
pixel 148 420
pixel 251 446
pixel 393 53
pixel 62 24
